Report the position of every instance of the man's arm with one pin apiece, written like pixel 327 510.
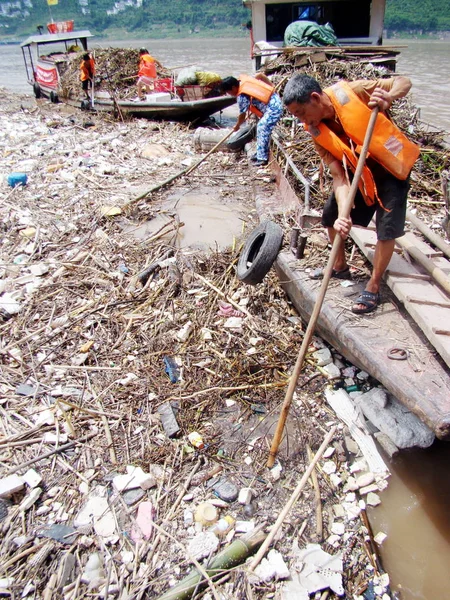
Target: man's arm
pixel 341 190
pixel 241 118
pixel 384 98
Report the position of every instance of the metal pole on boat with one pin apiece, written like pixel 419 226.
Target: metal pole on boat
pixel 92 82
pixel 319 301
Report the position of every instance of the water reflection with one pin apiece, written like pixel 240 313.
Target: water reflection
pixel 414 513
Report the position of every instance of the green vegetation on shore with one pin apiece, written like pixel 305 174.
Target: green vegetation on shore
pixel 421 16
pixel 180 18
pixel 154 19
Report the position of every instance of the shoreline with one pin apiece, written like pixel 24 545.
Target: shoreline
pixel 233 32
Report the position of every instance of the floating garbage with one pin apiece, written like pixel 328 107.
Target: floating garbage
pixel 15 179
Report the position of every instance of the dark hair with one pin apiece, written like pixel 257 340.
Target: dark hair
pixel 299 89
pixel 86 56
pixel 228 84
pixel 143 51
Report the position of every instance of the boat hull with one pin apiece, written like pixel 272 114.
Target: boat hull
pixel 169 111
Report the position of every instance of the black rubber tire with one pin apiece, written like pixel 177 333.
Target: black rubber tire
pixel 259 252
pixel 37 90
pixel 243 136
pixel 54 97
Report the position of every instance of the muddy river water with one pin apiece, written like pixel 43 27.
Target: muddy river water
pixel 415 508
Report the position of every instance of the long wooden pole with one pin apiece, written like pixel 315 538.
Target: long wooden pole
pixel 434 238
pixel 323 288
pixel 436 273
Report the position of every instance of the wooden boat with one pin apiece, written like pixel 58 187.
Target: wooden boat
pixel 44 72
pixel 411 323
pixel 173 110
pixel 357 25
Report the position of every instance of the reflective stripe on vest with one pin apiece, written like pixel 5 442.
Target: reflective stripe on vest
pixel 257 90
pixel 147 67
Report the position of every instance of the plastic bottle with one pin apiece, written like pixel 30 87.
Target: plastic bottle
pixel 223 526
pixel 171 368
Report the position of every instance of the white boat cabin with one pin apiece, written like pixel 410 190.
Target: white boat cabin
pixel 44 56
pixel 353 21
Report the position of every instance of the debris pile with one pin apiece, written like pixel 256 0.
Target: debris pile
pixel 141 382
pixel 115 72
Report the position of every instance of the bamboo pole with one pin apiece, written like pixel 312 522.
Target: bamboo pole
pixel 436 273
pixel 319 301
pixel 433 237
pixel 231 556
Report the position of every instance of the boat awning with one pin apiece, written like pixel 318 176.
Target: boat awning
pixel 52 38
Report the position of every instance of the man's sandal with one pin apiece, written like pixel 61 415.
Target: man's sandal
pixel 344 274
pixel 369 300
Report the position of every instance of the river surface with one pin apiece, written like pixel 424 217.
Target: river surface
pixel 415 508
pixel 426 62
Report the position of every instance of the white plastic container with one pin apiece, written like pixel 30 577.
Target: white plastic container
pixel 158 97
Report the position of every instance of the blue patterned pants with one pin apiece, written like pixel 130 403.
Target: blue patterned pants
pixel 265 126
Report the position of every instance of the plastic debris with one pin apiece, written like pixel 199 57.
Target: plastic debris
pixel 226 490
pixel 168 420
pixel 10 485
pixel 15 179
pixel 206 514
pixel 61 533
pixel 196 440
pixel 143 527
pixel 172 369
pixel 133 478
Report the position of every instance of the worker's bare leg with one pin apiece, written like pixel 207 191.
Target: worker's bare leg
pixel 383 254
pixel 140 89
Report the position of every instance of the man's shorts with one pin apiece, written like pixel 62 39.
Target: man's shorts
pixel 86 84
pixel 390 220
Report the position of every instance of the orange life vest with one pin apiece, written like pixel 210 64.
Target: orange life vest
pixel 388 146
pixel 147 67
pixel 87 69
pixel 256 89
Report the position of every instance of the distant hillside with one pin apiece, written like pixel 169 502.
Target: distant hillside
pixel 165 18
pixel 141 16
pixel 418 15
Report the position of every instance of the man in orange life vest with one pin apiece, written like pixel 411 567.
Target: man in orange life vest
pixel 87 72
pixel 146 74
pixel 256 95
pixel 337 119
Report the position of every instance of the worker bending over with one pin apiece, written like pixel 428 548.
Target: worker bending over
pixel 256 95
pixel 146 74
pixel 337 119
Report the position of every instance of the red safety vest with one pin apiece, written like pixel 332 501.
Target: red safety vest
pixel 388 146
pixel 256 89
pixel 147 67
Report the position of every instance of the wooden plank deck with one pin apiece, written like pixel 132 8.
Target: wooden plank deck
pixel 421 383
pixel 424 300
